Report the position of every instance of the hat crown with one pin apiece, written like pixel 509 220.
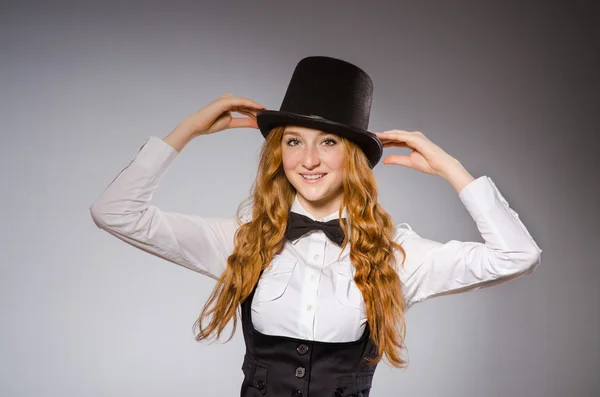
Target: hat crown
pixel 330 88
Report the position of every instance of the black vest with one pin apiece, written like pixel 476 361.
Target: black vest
pixel 279 366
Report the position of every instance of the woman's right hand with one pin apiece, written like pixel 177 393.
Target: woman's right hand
pixel 216 116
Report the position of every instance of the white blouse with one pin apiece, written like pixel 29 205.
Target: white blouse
pixel 308 291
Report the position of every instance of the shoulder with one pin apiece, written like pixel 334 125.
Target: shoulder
pixel 403 231
pixel 245 210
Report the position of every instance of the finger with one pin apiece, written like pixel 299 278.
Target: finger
pixel 394 139
pixel 243 102
pixel 243 123
pixel 250 117
pixel 393 134
pixel 389 132
pixel 398 131
pixel 397 135
pixel 397 160
pixel 413 140
pixel 405 142
pixel 245 111
pixel 396 144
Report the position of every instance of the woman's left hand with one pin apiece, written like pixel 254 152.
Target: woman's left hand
pixel 425 156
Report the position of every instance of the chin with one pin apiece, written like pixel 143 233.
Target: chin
pixel 313 197
pixel 318 195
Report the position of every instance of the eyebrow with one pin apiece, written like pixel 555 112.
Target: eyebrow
pixel 298 134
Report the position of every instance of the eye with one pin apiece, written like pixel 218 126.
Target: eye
pixel 330 141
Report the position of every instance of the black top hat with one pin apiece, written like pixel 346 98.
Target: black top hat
pixel 331 95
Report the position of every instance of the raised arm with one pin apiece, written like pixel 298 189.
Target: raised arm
pixel 434 269
pixel 124 209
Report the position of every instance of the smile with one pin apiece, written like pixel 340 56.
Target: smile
pixel 313 178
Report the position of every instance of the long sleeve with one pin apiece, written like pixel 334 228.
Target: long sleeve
pixel 433 269
pixel 124 210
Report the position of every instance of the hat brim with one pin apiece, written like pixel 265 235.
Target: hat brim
pixel 367 141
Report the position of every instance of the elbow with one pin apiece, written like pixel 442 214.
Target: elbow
pixel 512 263
pixel 102 216
pixel 530 260
pixel 96 215
pixel 112 218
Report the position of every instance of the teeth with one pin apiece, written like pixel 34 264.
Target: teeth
pixel 312 176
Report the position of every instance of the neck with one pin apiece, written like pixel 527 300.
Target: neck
pixel 321 208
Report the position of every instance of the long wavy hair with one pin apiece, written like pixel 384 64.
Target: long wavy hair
pixel 371 248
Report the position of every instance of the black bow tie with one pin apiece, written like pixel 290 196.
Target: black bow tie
pixel 299 225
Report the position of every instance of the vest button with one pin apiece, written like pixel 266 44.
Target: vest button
pixel 302 349
pixel 260 385
pixel 300 371
pixel 339 393
pixel 296 393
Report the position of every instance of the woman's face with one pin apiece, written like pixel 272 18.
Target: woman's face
pixel 309 152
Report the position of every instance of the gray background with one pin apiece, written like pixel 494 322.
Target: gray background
pixel 508 88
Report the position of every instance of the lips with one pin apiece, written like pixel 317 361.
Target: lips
pixel 313 179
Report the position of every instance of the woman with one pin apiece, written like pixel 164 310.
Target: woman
pixel 321 275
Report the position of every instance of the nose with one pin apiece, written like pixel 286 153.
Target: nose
pixel 310 157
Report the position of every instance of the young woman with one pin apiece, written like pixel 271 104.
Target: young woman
pixel 320 274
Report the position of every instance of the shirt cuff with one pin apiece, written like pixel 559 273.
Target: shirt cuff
pixel 481 195
pixel 155 154
pixel 493 214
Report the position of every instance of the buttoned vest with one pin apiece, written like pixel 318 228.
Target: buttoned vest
pixel 280 366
